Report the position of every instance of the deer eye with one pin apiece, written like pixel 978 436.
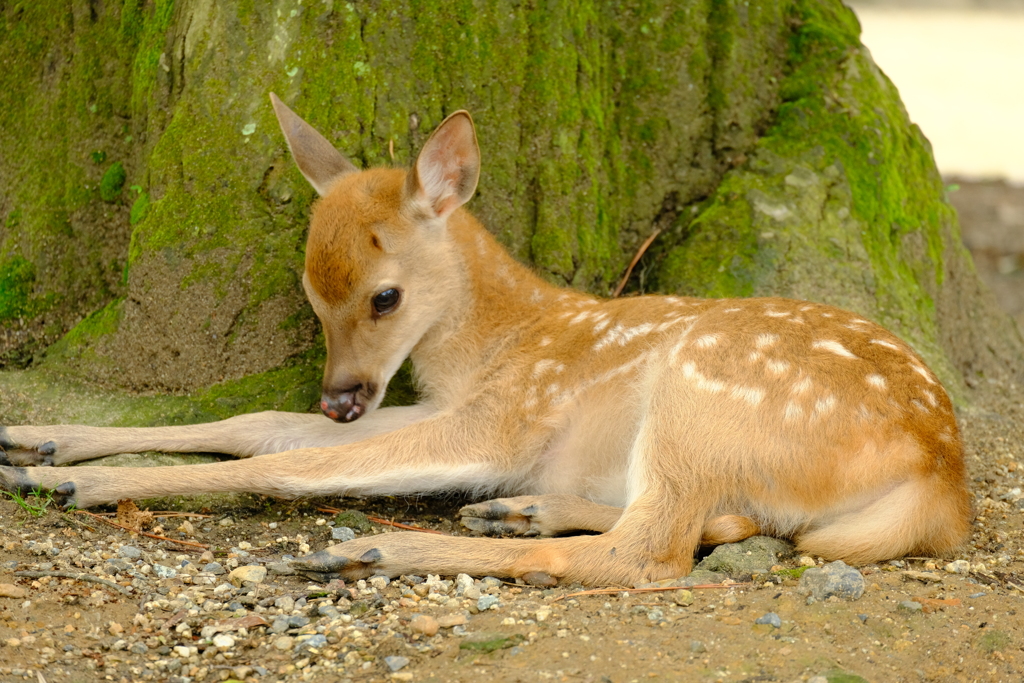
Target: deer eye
pixel 385 302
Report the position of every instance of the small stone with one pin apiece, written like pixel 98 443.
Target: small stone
pixel 129 552
pixel 683 598
pixel 223 641
pixel 248 573
pixel 473 593
pixel 396 663
pixel 485 602
pixel 923 577
pixel 343 533
pixel 313 641
pixel 807 561
pixel 284 643
pixel 139 648
pixel 329 611
pixel 281 568
pixel 910 606
pixel 463 582
pixel 227 521
pixel 696 646
pixel 771 618
pixel 297 621
pixel 215 568
pixel 958 567
pixel 181 651
pixel 379 582
pixel 836 578
pixel 164 572
pixel 754 555
pixel 424 624
pixel 9 590
pixel 280 625
pixel 450 620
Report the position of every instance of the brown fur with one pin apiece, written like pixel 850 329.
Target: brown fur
pixel 660 422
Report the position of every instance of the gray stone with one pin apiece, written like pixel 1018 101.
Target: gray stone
pixel 697 647
pixel 329 611
pixel 910 606
pixel 215 568
pixel 279 625
pixel 701 576
pixel 297 621
pixel 396 663
pixel 755 555
pixel 836 578
pixel 164 572
pixel 311 641
pixel 139 648
pixel 770 618
pixel 343 533
pixel 129 552
pixel 485 602
pixel 281 568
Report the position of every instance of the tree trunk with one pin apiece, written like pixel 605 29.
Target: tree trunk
pixel 143 178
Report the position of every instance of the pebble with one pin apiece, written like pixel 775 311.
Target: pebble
pixel 129 552
pixel 424 624
pixel 284 643
pixel 224 641
pixel 343 533
pixel 396 663
pixel 834 579
pixel 248 573
pixel 215 568
pixel 449 620
pixel 770 618
pixel 910 606
pixel 279 625
pixel 683 598
pixel 463 582
pixel 312 641
pixel 164 572
pixel 9 590
pixel 485 602
pixel 958 567
pixel 281 568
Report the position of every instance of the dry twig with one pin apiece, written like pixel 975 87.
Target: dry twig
pixel 77 577
pixel 632 264
pixel 191 544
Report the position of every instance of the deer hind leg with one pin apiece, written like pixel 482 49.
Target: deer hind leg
pixel 543 515
pixel 922 516
pixel 242 436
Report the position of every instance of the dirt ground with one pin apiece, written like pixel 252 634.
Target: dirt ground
pixel 166 613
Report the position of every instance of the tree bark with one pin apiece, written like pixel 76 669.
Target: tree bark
pixel 759 138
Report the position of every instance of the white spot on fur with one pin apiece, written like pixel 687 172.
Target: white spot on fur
pixel 858 321
pixel 552 389
pixel 706 341
pixel 924 373
pixel 824 406
pixel 806 308
pixel 623 335
pixel 777 367
pixel 882 342
pixel 917 404
pixel 580 317
pixel 732 310
pixel 930 397
pixel 797 320
pixel 826 315
pixel 536 296
pixel 751 395
pixel 777 314
pixel 544 341
pixel 754 356
pixel 691 373
pixel 832 347
pixel 801 387
pixel 600 326
pixel 793 411
pixel 541 366
pixel 877 381
pixel 763 341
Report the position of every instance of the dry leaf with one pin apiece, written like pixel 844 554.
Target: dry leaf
pixel 129 515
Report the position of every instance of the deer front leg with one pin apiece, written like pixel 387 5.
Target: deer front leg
pixel 432 455
pixel 242 436
pixel 543 515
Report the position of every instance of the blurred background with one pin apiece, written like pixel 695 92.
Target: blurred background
pixel 959 67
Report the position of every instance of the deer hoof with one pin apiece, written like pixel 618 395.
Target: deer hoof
pixel 336 563
pixel 497 518
pixel 12 453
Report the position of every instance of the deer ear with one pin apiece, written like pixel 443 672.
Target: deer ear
pixel 318 160
pixel 448 167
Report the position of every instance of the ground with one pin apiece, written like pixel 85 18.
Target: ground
pixel 916 621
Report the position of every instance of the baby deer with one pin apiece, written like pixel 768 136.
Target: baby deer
pixel 661 422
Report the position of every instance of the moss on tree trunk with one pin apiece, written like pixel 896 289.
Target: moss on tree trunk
pixel 143 180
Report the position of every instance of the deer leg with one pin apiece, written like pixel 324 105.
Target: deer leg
pixel 243 436
pixel 434 454
pixel 543 515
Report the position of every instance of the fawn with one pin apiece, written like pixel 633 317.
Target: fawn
pixel 660 422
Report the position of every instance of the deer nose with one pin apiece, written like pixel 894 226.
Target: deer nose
pixel 348 404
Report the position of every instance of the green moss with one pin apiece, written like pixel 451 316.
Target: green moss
pixel 17 277
pixel 112 182
pixel 139 208
pixel 840 200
